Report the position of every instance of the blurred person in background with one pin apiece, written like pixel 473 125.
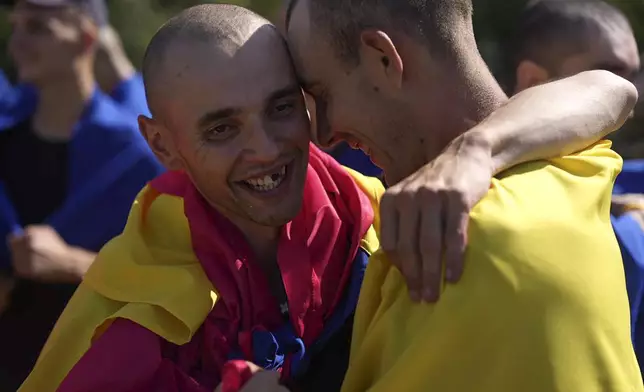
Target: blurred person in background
pixel 560 38
pixel 16 102
pixel 5 85
pixel 7 94
pixel 116 75
pixel 71 163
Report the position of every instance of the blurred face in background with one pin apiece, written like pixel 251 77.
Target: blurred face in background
pixel 49 43
pixel 611 48
pixel 607 47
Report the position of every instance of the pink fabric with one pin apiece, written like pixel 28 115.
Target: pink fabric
pixel 234 375
pixel 127 357
pixel 315 257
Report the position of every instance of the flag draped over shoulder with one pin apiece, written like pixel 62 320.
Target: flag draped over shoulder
pixel 182 272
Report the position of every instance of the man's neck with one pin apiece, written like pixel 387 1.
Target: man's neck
pixel 262 240
pixel 475 94
pixel 61 103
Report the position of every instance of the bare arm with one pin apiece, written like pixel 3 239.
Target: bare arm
pixel 557 118
pixel 546 121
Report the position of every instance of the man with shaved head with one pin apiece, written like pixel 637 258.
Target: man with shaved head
pixel 542 305
pixel 561 38
pixel 254 244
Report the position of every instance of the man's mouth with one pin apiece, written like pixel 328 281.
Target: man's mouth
pixel 267 182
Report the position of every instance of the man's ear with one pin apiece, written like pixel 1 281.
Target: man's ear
pixel 530 74
pixel 380 59
pixel 160 142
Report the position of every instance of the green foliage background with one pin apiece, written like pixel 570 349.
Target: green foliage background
pixel 137 20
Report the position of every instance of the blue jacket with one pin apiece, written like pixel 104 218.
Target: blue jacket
pixel 109 164
pixel 130 94
pixel 630 236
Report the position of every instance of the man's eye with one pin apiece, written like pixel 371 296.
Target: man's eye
pixel 220 132
pixel 221 129
pixel 283 109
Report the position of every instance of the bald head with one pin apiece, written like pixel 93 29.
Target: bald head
pixel 434 22
pixel 229 112
pixel 220 29
pixel 550 31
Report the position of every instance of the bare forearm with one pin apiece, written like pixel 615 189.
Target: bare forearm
pixel 557 118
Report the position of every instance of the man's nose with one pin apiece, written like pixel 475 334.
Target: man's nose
pixel 264 146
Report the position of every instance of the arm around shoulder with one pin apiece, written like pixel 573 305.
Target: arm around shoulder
pixel 557 118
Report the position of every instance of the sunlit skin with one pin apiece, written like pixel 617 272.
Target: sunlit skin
pixel 228 115
pixel 379 104
pixel 404 103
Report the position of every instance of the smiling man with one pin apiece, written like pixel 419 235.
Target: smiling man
pixel 253 246
pixel 542 305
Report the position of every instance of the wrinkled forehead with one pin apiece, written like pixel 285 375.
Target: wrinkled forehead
pixel 205 75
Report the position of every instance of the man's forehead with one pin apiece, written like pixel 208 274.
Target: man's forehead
pixel 202 73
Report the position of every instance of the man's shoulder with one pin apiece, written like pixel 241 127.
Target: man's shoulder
pixel 548 223
pixel 562 191
pixel 152 263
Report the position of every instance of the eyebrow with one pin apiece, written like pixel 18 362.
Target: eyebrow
pixel 220 114
pixel 285 92
pixel 217 115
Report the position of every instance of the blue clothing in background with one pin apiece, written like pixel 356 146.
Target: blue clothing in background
pixel 5 86
pixel 130 94
pixel 109 163
pixel 356 160
pixel 631 179
pixel 630 236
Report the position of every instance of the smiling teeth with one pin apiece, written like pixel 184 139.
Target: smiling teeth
pixel 267 183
